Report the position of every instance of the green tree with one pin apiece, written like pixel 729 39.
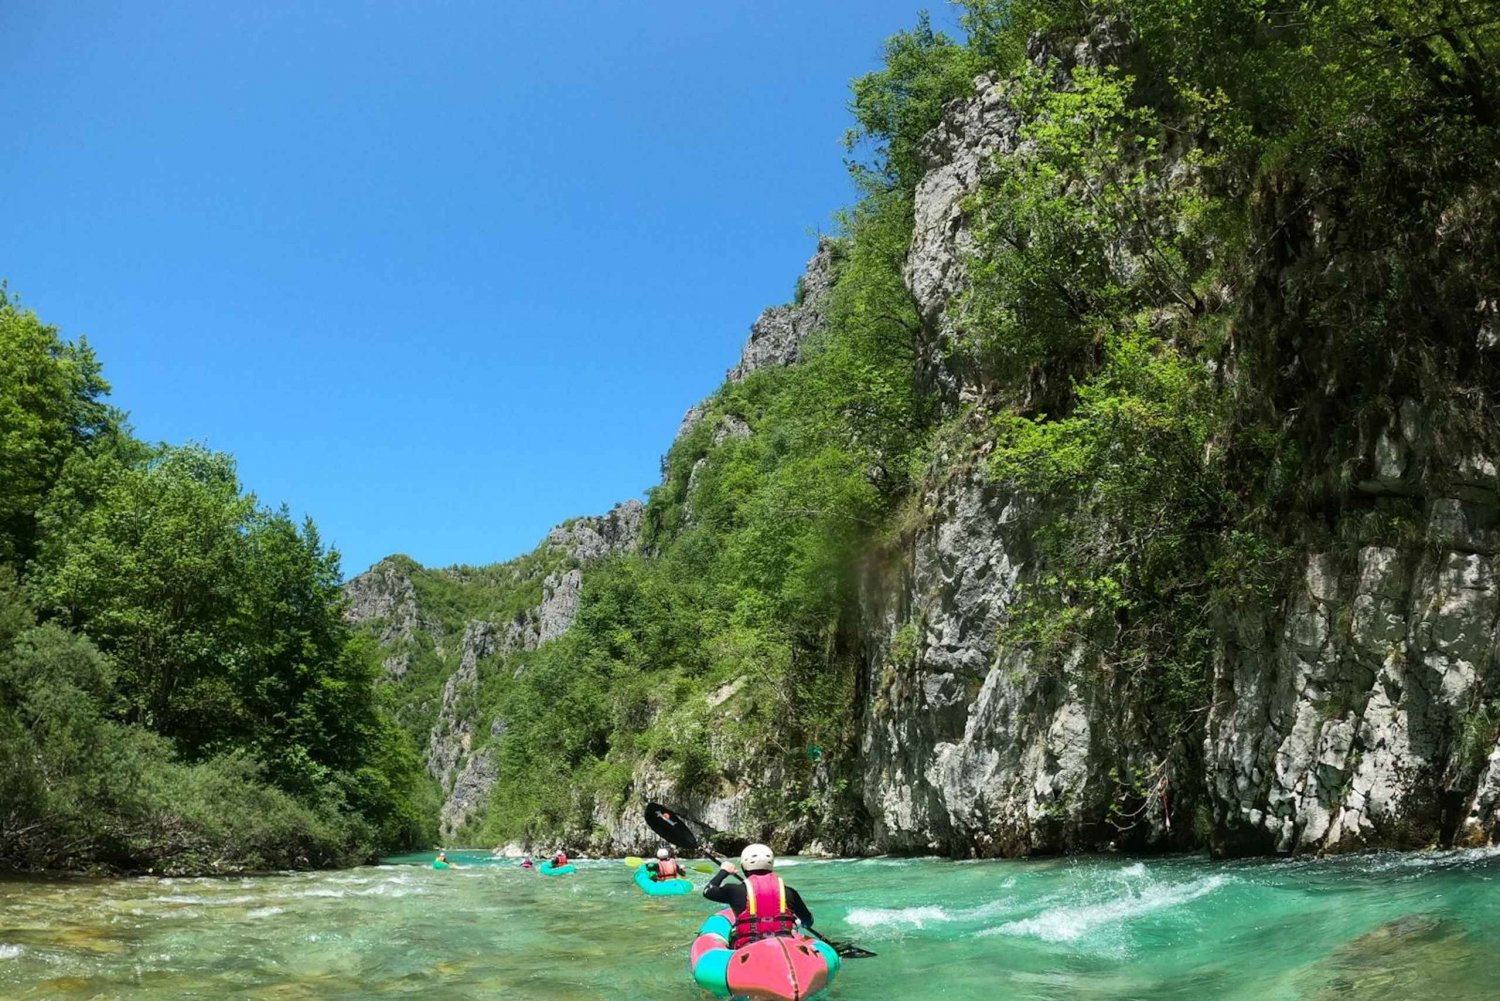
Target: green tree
pixel 224 619
pixel 896 106
pixel 150 567
pixel 51 405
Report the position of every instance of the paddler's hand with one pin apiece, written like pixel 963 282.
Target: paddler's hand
pixel 729 867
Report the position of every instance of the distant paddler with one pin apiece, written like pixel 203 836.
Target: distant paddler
pixel 441 862
pixel 665 866
pixel 559 865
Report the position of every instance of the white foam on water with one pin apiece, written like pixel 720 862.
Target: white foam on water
pixel 8 951
pixel 1071 923
pixel 391 890
pixel 1451 859
pixel 1382 863
pixel 322 893
pixel 886 917
pixel 265 912
pixel 923 915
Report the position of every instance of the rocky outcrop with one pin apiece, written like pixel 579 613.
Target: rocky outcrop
pixel 777 337
pixel 452 735
pixel 971 747
pixel 589 540
pixel 384 598
pixel 730 428
pixel 1362 714
pixel 577 543
pixel 956 155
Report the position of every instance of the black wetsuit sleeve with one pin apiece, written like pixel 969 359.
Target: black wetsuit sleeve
pixel 794 901
pixel 720 892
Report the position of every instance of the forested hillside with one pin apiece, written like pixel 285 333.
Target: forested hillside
pixel 178 689
pixel 1122 471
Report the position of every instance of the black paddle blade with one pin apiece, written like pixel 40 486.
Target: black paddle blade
pixel 670 827
pixel 848 950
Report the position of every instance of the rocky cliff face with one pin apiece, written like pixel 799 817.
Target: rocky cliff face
pixel 384 599
pixel 1360 714
pixel 1360 711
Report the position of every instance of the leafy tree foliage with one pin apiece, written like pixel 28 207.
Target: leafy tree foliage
pixel 896 106
pixel 51 405
pixel 192 694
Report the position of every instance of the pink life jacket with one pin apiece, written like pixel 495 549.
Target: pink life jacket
pixel 766 912
pixel 667 868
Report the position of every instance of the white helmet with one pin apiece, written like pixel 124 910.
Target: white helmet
pixel 664 853
pixel 757 858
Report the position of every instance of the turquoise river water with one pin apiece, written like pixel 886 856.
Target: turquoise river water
pixel 1384 926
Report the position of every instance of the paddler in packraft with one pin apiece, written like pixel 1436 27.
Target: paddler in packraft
pixel 664 867
pixel 763 905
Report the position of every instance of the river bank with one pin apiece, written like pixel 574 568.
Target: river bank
pixel 1424 924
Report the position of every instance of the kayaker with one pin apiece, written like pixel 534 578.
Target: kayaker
pixel 441 862
pixel 665 866
pixel 560 859
pixel 763 905
pixel 526 863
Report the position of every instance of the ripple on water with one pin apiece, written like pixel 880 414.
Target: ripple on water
pixel 10 951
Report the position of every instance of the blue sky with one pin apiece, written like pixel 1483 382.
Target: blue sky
pixel 440 275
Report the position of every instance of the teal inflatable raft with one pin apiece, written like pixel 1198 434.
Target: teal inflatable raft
pixel 663 887
pixel 548 869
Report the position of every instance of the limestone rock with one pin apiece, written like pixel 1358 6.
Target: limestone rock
pixel 777 337
pixel 973 132
pixel 589 540
pixel 560 593
pixel 385 598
